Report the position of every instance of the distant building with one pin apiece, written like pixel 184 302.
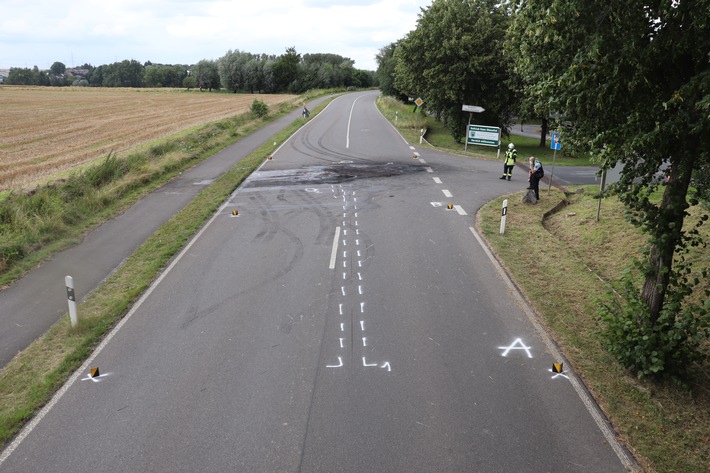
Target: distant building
pixel 77 72
pixel 4 73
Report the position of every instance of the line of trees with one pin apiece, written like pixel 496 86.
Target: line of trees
pixel 627 82
pixel 236 71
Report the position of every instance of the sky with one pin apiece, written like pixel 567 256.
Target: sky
pixel 41 32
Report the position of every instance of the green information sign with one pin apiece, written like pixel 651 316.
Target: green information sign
pixel 483 135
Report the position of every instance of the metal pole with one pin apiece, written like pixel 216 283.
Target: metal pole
pixel 504 213
pixel 552 174
pixel 465 146
pixel 69 281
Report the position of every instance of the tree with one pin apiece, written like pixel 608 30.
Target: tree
pixel 231 68
pixel 206 75
pixel 455 57
pixel 58 68
pixel 285 68
pixel 632 80
pixel 123 74
pixel 386 63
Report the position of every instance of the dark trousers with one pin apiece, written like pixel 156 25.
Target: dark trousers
pixel 535 183
pixel 508 170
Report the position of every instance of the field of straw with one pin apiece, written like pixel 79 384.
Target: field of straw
pixel 44 130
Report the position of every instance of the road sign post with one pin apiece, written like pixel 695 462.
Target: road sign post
pixel 554 144
pixel 471 109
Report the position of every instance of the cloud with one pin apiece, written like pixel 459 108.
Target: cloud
pixel 39 32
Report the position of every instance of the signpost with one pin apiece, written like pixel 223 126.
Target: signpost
pixel 471 109
pixel 554 144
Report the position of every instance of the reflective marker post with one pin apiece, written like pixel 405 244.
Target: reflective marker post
pixel 69 281
pixel 503 216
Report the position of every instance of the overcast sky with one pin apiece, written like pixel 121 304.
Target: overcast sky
pixel 40 32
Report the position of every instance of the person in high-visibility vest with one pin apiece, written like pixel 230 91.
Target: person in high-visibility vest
pixel 509 162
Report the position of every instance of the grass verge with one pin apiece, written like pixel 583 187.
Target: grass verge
pixel 575 259
pixel 32 377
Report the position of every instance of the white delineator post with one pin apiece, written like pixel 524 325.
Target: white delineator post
pixel 69 281
pixel 503 216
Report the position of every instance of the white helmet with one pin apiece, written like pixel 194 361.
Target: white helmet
pixel 511 146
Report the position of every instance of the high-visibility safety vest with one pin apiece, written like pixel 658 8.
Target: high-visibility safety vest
pixel 510 156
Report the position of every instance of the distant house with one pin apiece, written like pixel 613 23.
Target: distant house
pixel 77 72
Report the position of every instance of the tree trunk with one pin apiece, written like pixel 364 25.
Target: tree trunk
pixel 667 233
pixel 543 133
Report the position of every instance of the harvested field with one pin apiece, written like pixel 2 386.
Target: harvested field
pixel 44 130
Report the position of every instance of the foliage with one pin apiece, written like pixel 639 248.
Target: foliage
pixel 285 69
pixel 632 80
pixel 159 75
pixel 666 346
pixel 123 74
pixel 58 68
pixel 206 75
pixel 386 63
pixel 454 57
pixel 259 108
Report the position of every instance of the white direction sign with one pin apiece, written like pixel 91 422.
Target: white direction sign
pixel 473 109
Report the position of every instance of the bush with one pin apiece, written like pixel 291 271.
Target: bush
pixel 664 348
pixel 259 108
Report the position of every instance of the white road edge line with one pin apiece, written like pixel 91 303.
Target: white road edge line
pixel 460 210
pixel 588 402
pixel 334 253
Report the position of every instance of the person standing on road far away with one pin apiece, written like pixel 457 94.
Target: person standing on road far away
pixel 536 173
pixel 305 112
pixel 509 163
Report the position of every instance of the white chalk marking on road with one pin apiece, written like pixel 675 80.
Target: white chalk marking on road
pixel 345 275
pixel 359 276
pixel 421 160
pixel 357 242
pixel 340 308
pixel 341 342
pixel 516 345
pixel 428 169
pixel 359 264
pixel 359 290
pixel 355 214
pixel 345 264
pixel 589 403
pixel 342 327
pixel 447 193
pixel 345 243
pixel 386 364
pixel 345 254
pixel 362 307
pixel 437 180
pixel 340 363
pixel 364 341
pixel 343 290
pixel 412 148
pixel 558 374
pixel 334 253
pixel 357 231
pixel 436 204
pixel 460 210
pixel 358 253
pixel 362 325
pixel 365 363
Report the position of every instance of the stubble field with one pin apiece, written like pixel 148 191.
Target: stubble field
pixel 44 130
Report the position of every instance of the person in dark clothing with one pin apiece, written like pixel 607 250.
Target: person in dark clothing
pixel 536 173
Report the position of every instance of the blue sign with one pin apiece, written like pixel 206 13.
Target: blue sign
pixel 555 141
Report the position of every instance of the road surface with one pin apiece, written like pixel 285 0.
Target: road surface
pixel 344 321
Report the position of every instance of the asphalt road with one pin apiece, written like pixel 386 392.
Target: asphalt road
pixel 345 320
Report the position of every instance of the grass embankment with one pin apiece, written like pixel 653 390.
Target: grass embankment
pixel 31 378
pixel 575 261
